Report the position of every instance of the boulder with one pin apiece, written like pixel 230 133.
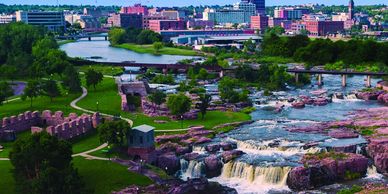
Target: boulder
pixel 183 150
pixel 381 163
pixel 320 102
pixel 378 150
pixel 169 162
pixel 226 146
pixel 213 166
pixel 317 172
pixel 202 140
pixel 191 156
pixel 369 95
pixel 213 148
pixel 342 133
pixel 383 98
pixel 298 105
pixel 230 155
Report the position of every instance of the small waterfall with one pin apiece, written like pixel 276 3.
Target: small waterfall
pixel 358 149
pixel 351 97
pixel 251 147
pixel 199 149
pixel 255 174
pixel 192 169
pixel 372 173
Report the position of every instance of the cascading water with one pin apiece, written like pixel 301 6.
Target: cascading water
pixel 192 169
pixel 199 149
pixel 372 173
pixel 255 179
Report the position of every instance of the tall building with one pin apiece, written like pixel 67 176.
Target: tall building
pixel 126 20
pixel 51 20
pixel 239 13
pixel 289 13
pixel 260 5
pixel 351 10
pixel 158 25
pixel 259 22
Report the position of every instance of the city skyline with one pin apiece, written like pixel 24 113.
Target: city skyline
pixel 183 2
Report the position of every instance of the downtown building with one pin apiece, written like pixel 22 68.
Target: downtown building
pixel 260 5
pixel 136 9
pixel 126 20
pixel 240 13
pixel 53 21
pixel 5 19
pixel 159 25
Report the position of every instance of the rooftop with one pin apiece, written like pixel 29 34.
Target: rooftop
pixel 144 128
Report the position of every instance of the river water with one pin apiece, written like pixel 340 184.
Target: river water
pixel 271 151
pixel 99 50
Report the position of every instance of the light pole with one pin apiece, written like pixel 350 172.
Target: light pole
pixel 97 106
pixel 182 121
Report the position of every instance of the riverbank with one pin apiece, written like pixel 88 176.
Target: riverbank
pixel 163 51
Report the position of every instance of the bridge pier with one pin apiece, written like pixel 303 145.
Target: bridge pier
pixel 343 80
pixel 221 74
pixel 165 71
pixel 319 79
pixel 296 78
pixel 90 38
pixel 368 81
pixel 106 38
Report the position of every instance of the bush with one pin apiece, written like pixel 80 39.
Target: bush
pixel 354 189
pixel 248 110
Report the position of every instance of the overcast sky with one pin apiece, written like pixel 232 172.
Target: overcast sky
pixel 185 2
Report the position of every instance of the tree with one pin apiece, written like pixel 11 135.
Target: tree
pixel 93 78
pixel 114 132
pixel 148 37
pixel 158 97
pixel 249 46
pixel 117 36
pixel 43 165
pixel 50 89
pixel 31 91
pixel 5 91
pixel 178 104
pixel 205 102
pixel 71 79
pixel 157 46
pixel 202 74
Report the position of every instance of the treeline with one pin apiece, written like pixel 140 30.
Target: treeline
pixel 132 35
pixel 324 51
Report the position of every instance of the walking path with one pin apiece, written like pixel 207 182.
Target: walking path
pixel 73 104
pixel 87 156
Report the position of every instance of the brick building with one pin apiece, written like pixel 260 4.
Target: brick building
pixel 323 28
pixel 259 22
pixel 158 25
pixel 148 18
pixel 126 20
pixel 136 9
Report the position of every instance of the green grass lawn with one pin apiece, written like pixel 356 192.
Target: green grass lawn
pixel 7 182
pixel 164 51
pixel 86 142
pixel 104 69
pixel 105 176
pixel 41 103
pixel 109 102
pixel 63 42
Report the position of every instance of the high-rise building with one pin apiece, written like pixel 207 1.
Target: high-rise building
pixel 239 13
pixel 136 9
pixel 51 20
pixel 260 5
pixel 351 10
pixel 259 22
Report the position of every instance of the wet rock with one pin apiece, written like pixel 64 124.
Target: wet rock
pixel 342 133
pixel 339 95
pixel 369 95
pixel 310 145
pixel 198 186
pixel 230 155
pixel 169 162
pixel 298 105
pixel 213 148
pixel 191 156
pixel 383 98
pixel 317 172
pixel 378 149
pixel 290 100
pixel 381 163
pixel 183 150
pixel 226 146
pixel 202 140
pixel 320 102
pixel 213 166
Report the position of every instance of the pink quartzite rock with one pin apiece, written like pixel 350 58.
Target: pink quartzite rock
pixel 169 162
pixel 213 148
pixel 213 166
pixel 298 105
pixel 383 98
pixel 342 133
pixel 318 172
pixel 226 146
pixel 230 155
pixel 378 150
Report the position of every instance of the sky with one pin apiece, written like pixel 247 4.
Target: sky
pixel 185 2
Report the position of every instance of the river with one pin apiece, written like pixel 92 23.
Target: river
pixel 101 51
pixel 271 151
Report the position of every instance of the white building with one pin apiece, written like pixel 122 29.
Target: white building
pixel 340 17
pixel 240 13
pixel 5 19
pixel 51 20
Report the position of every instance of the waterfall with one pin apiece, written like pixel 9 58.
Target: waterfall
pixel 192 169
pixel 199 149
pixel 251 147
pixel 358 149
pixel 372 173
pixel 255 174
pixel 351 97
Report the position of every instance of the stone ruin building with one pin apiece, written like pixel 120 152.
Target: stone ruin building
pixel 55 124
pixel 128 89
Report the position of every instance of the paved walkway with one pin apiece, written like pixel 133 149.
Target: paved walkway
pixel 73 104
pixel 87 156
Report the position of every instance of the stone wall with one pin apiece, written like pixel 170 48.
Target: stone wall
pixel 56 124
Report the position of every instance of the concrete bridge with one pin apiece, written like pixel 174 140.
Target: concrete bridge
pixel 342 73
pixel 88 36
